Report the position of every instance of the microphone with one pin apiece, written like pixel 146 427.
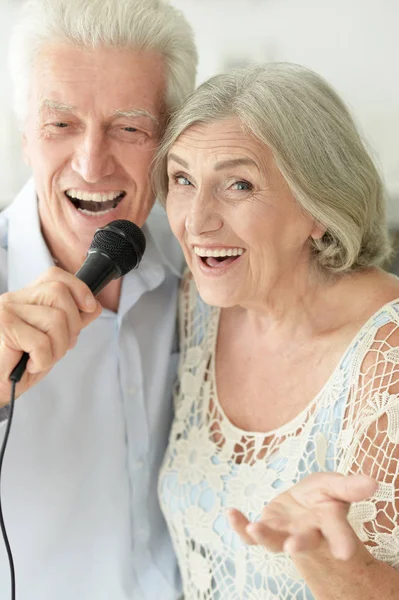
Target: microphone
pixel 116 249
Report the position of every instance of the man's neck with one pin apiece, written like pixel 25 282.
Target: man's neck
pixel 110 296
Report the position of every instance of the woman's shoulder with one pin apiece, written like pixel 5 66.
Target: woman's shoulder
pixel 364 297
pixel 188 290
pixel 381 303
pixel 194 314
pixel 376 306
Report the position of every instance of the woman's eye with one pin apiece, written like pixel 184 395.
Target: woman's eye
pixel 180 180
pixel 242 185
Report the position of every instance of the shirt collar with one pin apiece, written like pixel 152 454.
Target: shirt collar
pixel 29 256
pixel 162 257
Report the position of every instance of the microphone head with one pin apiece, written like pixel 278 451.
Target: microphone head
pixel 122 241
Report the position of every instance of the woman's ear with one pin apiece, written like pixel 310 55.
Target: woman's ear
pixel 318 231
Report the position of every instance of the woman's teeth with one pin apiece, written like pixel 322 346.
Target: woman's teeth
pixel 218 257
pixel 218 253
pixel 95 203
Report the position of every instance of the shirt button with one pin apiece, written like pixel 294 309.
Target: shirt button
pixel 132 390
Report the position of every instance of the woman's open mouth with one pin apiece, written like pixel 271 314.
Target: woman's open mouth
pixel 96 203
pixel 218 257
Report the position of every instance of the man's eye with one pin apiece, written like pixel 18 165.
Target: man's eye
pixel 60 124
pixel 242 185
pixel 130 129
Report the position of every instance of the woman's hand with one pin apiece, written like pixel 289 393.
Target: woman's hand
pixel 312 513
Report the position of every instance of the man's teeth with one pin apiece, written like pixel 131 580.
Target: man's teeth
pixel 96 197
pixel 218 253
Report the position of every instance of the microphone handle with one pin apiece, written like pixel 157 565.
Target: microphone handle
pixel 19 369
pixel 97 271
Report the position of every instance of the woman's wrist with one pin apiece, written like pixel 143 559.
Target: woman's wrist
pixel 320 562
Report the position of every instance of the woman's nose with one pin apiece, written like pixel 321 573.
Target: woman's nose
pixel 203 217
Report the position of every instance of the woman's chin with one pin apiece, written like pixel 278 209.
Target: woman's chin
pixel 219 299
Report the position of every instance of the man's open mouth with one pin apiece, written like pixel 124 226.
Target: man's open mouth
pixel 96 203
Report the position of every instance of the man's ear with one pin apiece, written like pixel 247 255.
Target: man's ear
pixel 25 151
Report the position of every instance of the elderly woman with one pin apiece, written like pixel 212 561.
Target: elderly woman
pixel 287 405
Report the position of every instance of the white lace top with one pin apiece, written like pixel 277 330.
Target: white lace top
pixel 352 425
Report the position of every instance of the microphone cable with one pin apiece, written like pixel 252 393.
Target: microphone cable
pixel 15 377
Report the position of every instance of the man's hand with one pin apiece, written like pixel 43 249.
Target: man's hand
pixel 44 320
pixel 312 513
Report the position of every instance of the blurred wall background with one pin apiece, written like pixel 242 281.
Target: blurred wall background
pixel 353 43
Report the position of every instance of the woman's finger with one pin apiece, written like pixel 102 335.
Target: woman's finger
pixel 303 541
pixel 351 488
pixel 269 538
pixel 338 533
pixel 239 522
pixel 321 487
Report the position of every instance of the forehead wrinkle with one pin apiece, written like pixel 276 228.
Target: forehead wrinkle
pixel 249 150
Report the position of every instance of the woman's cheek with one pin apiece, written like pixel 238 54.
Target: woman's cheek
pixel 176 219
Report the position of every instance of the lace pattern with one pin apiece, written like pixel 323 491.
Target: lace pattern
pixel 351 426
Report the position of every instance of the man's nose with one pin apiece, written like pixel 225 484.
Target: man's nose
pixel 203 216
pixel 93 159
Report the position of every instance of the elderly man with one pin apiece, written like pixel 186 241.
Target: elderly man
pixel 95 81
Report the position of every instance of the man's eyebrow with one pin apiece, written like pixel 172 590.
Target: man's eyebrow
pixel 46 103
pixel 135 112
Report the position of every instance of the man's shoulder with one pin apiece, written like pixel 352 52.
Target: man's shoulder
pixel 6 215
pixel 3 251
pixel 3 230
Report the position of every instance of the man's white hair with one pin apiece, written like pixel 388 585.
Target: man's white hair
pixel 137 24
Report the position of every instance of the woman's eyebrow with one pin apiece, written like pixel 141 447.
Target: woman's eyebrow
pixel 234 162
pixel 177 159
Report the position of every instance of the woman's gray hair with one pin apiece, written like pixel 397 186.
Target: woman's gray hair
pixel 125 24
pixel 316 146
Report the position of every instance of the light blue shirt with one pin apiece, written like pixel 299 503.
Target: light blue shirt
pixel 79 484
